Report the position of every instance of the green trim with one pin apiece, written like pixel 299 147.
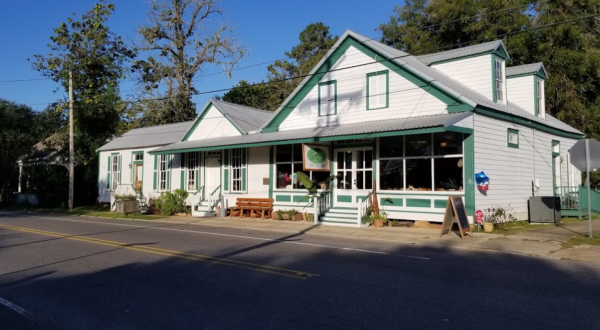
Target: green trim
pixel 395 201
pixel 154 186
pixel 458 129
pixel 271 161
pixel 283 198
pixel 334 82
pixel 459 108
pixel 303 90
pixel 540 74
pixel 555 143
pixel 387 88
pixel 226 179
pixel 494 89
pixel 514 131
pixel 344 199
pixel 244 168
pixel 536 96
pixel 414 193
pixel 500 52
pixel 418 202
pixel 99 167
pixel 298 198
pixel 309 140
pixel 108 170
pixel 526 123
pixel 182 170
pixel 440 203
pixel 469 167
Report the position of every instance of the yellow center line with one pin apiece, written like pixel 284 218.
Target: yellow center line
pixel 178 254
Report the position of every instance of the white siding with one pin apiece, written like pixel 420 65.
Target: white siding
pixel 512 171
pixel 521 92
pixel 474 72
pixel 405 98
pixel 213 125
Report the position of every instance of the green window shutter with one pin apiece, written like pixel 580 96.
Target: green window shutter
pixel 108 174
pixel 198 155
pixel 244 166
pixel 226 170
pixel 155 173
pixel 182 157
pixel 169 159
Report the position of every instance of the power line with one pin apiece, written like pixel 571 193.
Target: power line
pixel 369 63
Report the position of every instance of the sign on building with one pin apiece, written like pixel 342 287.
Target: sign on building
pixel 316 157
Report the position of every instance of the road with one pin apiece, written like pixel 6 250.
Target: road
pixel 65 272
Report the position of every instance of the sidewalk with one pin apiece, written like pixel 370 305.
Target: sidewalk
pixel 543 242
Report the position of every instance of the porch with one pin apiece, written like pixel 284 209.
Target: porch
pixel 574 201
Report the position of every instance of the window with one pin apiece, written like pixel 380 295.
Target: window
pixel 115 171
pixel 499 81
pixel 163 173
pixel 378 90
pixel 288 161
pixel 328 98
pixel 540 98
pixel 423 162
pixel 213 154
pixel 192 170
pixel 139 156
pixel 513 138
pixel 236 169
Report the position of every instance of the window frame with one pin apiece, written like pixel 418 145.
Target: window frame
pixel 432 159
pixel 510 131
pixel 499 80
pixel 115 171
pixel 539 97
pixel 162 161
pixel 233 158
pixel 387 88
pixel 291 162
pixel 326 83
pixel 191 172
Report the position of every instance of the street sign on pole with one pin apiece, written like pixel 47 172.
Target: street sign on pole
pixel 585 156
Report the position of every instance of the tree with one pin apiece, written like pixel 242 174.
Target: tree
pixel 97 59
pixel 183 40
pixel 284 76
pixel 16 141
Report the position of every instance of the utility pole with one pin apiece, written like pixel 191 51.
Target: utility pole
pixel 71 143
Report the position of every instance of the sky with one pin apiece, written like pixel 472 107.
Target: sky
pixel 267 28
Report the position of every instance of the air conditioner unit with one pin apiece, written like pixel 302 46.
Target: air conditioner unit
pixel 544 209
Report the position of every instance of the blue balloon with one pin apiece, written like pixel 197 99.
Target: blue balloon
pixel 481 179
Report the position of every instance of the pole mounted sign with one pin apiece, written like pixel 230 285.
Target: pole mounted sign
pixel 585 156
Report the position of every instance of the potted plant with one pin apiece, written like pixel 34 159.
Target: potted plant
pixel 494 216
pixel 277 215
pixel 378 220
pixel 294 215
pixel 285 215
pixel 127 204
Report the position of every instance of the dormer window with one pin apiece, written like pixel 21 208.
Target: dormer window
pixel 539 109
pixel 499 82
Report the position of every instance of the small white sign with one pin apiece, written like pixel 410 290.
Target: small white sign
pixel 316 157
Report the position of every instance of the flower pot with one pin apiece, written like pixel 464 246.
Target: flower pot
pixel 127 206
pixel 488 227
pixel 276 216
pixel 378 223
pixel 298 217
pixel 285 216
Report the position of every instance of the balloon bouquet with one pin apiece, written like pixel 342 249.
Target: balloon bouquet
pixel 482 180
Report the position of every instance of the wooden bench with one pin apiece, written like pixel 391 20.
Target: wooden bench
pixel 254 207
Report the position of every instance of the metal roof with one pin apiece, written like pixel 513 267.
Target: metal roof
pixel 342 131
pixel 525 69
pixel 246 119
pixel 462 52
pixel 149 136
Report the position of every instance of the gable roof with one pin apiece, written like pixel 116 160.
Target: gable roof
pixel 149 136
pixel 533 68
pixel 246 119
pixel 437 79
pixel 486 47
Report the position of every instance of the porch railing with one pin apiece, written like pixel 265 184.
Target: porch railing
pixel 364 208
pixel 197 198
pixel 214 198
pixel 321 205
pixel 575 198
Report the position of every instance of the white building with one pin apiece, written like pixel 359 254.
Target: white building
pixel 419 127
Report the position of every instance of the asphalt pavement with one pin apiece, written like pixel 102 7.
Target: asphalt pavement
pixel 61 272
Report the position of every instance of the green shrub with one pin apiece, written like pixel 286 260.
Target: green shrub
pixel 170 203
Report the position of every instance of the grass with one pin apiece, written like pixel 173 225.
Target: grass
pixel 582 240
pixel 515 227
pixel 91 211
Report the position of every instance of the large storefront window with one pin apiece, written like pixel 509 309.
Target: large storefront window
pixel 288 160
pixel 422 162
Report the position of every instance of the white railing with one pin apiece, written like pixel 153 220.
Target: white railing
pixel 214 198
pixel 364 207
pixel 321 205
pixel 197 198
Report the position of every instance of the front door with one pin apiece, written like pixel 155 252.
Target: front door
pixel 354 168
pixel 212 178
pixel 139 177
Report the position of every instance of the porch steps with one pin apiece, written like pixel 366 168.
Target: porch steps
pixel 343 216
pixel 201 210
